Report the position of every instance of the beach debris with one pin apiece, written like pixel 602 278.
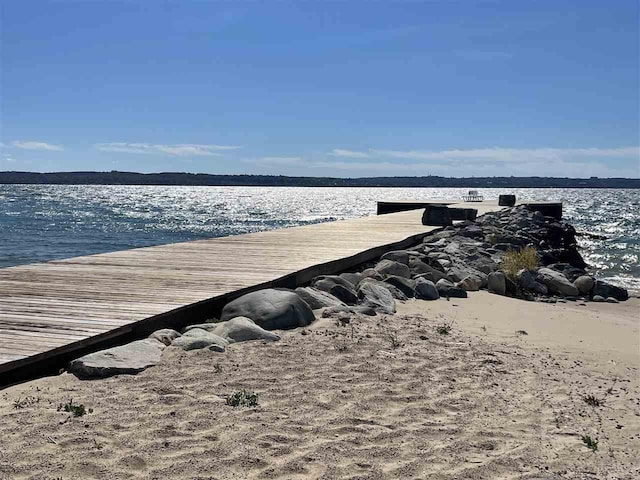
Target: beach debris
pixel 271 309
pixel 129 359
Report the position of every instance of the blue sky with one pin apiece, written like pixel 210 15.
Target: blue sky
pixel 454 88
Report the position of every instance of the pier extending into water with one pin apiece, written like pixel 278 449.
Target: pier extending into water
pixel 55 311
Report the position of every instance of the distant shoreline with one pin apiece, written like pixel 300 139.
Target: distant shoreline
pixel 200 179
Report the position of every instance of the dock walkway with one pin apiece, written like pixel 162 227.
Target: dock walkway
pixel 55 311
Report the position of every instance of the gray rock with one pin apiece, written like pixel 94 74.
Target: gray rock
pixel 271 309
pixel 353 278
pixel 606 290
pixel 449 290
pixel 460 271
pixel 209 327
pixel 583 283
pixel 317 298
pixel 377 297
pixel 405 285
pixel 421 269
pixel 371 273
pixel 400 256
pixel 129 359
pixel 396 293
pixel 598 298
pixel 527 281
pixel 496 283
pixel 344 294
pixel 242 329
pixel 165 335
pixel 470 283
pixel 197 338
pixel 389 267
pixel 556 282
pixel 426 290
pixel 327 282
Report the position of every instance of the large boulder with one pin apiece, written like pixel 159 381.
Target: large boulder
pixel 317 298
pixel 584 283
pixel 242 329
pixel 470 283
pixel 557 283
pixel 389 267
pixel 377 297
pixel 395 291
pixel 198 338
pixel 338 287
pixel 426 290
pixel 400 256
pixel 496 283
pixel 130 359
pixel 344 294
pixel 353 278
pixel 405 285
pixel 421 269
pixel 271 309
pixel 527 281
pixel 327 282
pixel 449 290
pixel 607 290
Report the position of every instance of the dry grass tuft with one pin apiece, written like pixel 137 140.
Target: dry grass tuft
pixel 515 260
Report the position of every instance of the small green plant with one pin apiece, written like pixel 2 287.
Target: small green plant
pixel 75 409
pixel 243 398
pixel 25 402
pixel 394 340
pixel 444 329
pixel 590 442
pixel 515 260
pixel 592 401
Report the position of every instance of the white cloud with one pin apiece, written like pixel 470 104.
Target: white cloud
pixel 32 145
pixel 570 162
pixel 520 155
pixel 340 152
pixel 179 150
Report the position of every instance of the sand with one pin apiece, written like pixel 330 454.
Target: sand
pixel 385 397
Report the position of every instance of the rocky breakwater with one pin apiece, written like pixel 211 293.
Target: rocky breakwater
pixel 513 252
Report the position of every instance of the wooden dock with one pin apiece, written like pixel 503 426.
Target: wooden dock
pixel 53 312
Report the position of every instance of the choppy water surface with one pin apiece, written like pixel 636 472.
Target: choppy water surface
pixel 45 222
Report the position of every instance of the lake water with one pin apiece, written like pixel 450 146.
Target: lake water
pixel 45 222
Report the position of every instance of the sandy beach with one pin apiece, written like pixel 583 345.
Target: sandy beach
pixel 382 397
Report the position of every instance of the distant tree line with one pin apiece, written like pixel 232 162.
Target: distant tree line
pixel 173 178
